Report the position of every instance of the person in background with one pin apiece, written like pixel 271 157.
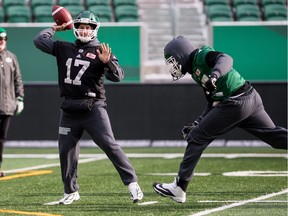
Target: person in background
pixel 232 102
pixel 82 67
pixel 11 90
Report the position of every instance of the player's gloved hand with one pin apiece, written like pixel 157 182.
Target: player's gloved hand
pixel 20 105
pixel 188 128
pixel 211 83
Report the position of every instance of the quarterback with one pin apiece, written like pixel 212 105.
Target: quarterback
pixel 82 67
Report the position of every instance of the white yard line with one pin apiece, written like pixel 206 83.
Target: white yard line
pixel 148 203
pixel 233 201
pixel 156 155
pixel 44 166
pixel 206 212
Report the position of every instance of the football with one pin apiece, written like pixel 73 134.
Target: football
pixel 62 15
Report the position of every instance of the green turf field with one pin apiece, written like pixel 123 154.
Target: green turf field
pixel 218 188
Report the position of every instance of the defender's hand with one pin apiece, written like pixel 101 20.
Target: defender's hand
pixel 188 128
pixel 210 85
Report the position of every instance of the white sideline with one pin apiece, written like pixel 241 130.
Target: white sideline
pixel 206 212
pixel 87 160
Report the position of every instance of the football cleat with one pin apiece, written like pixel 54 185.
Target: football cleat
pixel 170 190
pixel 69 198
pixel 2 174
pixel 135 191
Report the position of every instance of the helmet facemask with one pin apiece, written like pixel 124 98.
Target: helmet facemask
pixel 86 17
pixel 174 68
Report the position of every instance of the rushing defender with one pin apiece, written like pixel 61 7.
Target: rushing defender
pixel 232 102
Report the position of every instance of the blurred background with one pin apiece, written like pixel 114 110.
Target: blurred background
pixel 147 108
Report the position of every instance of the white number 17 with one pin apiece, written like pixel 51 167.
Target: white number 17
pixel 77 80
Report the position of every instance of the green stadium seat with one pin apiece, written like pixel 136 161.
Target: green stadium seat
pixel 128 19
pixel 222 19
pixel 240 2
pixel 74 9
pixel 219 12
pixel 65 3
pixel 42 13
pixel 122 11
pixel 249 18
pixel 267 2
pixel 246 12
pixel 2 14
pixel 18 14
pixel 36 3
pixel 217 2
pixel 124 2
pixel 7 3
pixel 90 3
pixel 275 12
pixel 104 12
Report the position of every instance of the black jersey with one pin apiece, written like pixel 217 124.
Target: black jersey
pixel 80 71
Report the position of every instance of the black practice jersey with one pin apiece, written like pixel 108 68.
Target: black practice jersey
pixel 80 71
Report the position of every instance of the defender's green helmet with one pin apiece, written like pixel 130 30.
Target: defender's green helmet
pixel 86 17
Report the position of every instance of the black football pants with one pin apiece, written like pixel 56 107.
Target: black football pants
pixel 245 112
pixel 97 124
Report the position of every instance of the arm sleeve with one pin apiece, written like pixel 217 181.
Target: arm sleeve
pixel 43 40
pixel 19 88
pixel 220 62
pixel 113 71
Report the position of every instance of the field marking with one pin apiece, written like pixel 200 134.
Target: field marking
pixel 175 174
pixel 206 212
pixel 44 166
pixel 148 203
pixel 26 174
pixel 157 155
pixel 233 201
pixel 52 203
pixel 27 213
pixel 257 173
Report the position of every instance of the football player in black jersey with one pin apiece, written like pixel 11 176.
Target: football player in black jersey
pixel 82 67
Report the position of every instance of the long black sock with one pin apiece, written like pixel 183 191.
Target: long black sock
pixel 182 184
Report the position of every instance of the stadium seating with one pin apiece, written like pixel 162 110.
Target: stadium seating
pixel 104 12
pixel 274 12
pixel 126 11
pixel 267 2
pixel 220 12
pixel 7 3
pixel 124 2
pixel 42 13
pixel 74 9
pixel 241 2
pixel 18 14
pixel 36 3
pixel 90 3
pixel 247 12
pixel 2 15
pixel 69 2
pixel 128 19
pixel 216 2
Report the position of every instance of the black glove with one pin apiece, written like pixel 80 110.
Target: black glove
pixel 188 128
pixel 210 85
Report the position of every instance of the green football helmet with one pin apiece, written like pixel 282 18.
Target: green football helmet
pixel 86 17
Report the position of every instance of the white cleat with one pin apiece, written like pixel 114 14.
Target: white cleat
pixel 135 191
pixel 69 198
pixel 170 190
